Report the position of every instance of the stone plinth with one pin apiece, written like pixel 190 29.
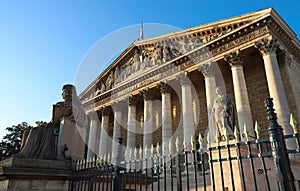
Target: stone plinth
pixel 19 174
pixel 237 168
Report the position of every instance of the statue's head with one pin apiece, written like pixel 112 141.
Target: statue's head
pixel 68 91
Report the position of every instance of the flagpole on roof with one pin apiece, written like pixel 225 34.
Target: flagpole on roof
pixel 142 31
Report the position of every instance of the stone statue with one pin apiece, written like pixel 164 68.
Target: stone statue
pixel 223 116
pixel 166 52
pixel 175 49
pixel 102 87
pixel 110 80
pixel 157 55
pixel 137 61
pixel 147 60
pixel 117 74
pixel 41 141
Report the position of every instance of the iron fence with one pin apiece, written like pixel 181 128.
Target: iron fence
pixel 259 164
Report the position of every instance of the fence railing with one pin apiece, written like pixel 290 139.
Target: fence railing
pixel 261 164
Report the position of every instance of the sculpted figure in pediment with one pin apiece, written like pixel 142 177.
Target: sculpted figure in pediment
pixel 195 42
pixel 187 45
pixel 146 59
pixel 175 49
pixel 129 69
pixel 117 75
pixel 102 87
pixel 110 80
pixel 136 61
pixel 166 52
pixel 157 55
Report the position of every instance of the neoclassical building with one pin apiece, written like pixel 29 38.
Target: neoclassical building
pixel 163 90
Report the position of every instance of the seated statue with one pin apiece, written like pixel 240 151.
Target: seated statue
pixel 41 141
pixel 223 116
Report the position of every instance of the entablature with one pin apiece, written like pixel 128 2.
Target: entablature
pixel 169 70
pixel 157 68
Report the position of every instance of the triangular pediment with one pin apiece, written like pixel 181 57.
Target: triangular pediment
pixel 143 55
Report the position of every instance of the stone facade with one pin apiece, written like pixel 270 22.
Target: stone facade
pixel 160 94
pixel 250 57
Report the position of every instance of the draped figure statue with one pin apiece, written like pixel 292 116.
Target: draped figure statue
pixel 41 141
pixel 223 114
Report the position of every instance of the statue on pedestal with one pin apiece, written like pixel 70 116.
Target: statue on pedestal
pixel 223 116
pixel 42 141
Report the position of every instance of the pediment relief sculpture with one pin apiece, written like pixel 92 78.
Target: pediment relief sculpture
pixel 154 55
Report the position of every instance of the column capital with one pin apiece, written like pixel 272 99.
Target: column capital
pixel 116 106
pixel 267 45
pixel 131 100
pixel 163 87
pixel 183 78
pixel 104 111
pixel 234 58
pixel 146 94
pixel 92 115
pixel 207 69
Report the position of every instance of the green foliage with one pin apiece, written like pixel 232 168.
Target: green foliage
pixel 11 142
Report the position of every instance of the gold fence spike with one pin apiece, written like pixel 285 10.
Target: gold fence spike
pixel 200 140
pixel 257 130
pixel 177 144
pixel 157 149
pixel 236 133
pixel 293 123
pixel 246 132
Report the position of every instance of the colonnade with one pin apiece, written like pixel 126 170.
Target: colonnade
pixel 266 47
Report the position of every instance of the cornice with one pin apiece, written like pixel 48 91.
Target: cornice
pixel 288 40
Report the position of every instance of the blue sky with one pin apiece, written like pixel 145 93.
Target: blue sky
pixel 42 43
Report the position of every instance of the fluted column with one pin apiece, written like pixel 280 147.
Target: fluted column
pixel 187 109
pixel 235 60
pixel 117 127
pixel 104 131
pixel 166 115
pixel 92 147
pixel 267 48
pixel 131 125
pixel 148 118
pixel 210 90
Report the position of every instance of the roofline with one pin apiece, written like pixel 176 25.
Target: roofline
pixel 260 13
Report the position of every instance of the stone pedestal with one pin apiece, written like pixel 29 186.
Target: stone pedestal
pixel 237 170
pixel 19 174
pixel 73 136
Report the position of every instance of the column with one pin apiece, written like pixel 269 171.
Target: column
pixel 166 115
pixel 187 109
pixel 210 90
pixel 92 144
pixel 116 106
pixel 240 93
pixel 148 118
pixel 131 126
pixel 267 48
pixel 104 129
